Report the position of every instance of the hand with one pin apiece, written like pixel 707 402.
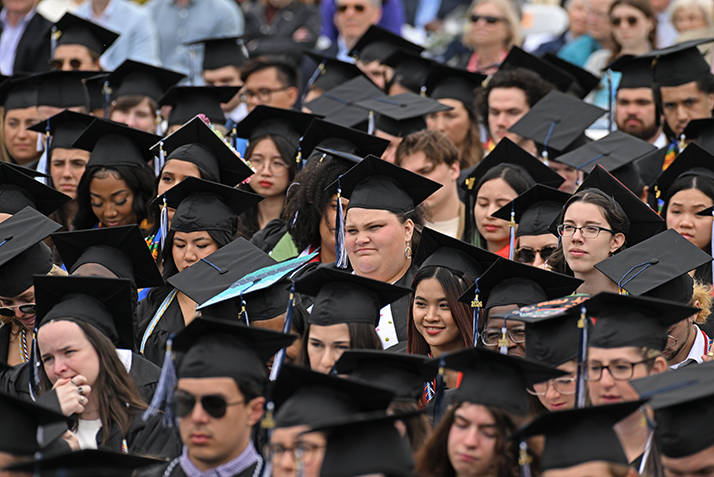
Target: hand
pixel 706 357
pixel 71 440
pixel 72 394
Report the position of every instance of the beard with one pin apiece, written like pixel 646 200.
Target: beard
pixel 640 131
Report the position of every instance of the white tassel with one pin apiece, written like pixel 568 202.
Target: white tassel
pixel 340 250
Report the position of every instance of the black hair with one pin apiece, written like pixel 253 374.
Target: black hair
pixel 286 71
pixel 221 237
pixel 362 336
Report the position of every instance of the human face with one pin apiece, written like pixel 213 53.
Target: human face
pixel 19 7
pixel 569 173
pixel 226 76
pixel 394 141
pixel 432 316
pixel 374 71
pixel 505 107
pixel 66 352
pixel 681 104
pixel 279 95
pixel 471 444
pixel 190 247
pixel 537 242
pixel 554 400
pixel 74 58
pixel 6 460
pixel 24 298
pixel 272 178
pixel 590 469
pixel 327 228
pixel 376 241
pixel 444 174
pixel 325 345
pixel 608 390
pixel 493 195
pixel 599 26
pixel 632 37
pixel 514 328
pixel 689 17
pixel 288 438
pixel 483 33
pixel 678 338
pixel 578 17
pixel 21 143
pixel 66 169
pixel 277 324
pixel 112 200
pixel 212 441
pixel 175 171
pixel 353 17
pixel 581 253
pixel 139 117
pixel 682 216
pixel 635 113
pixel 699 464
pixel 454 123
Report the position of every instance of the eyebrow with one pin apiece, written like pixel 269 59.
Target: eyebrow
pixel 111 195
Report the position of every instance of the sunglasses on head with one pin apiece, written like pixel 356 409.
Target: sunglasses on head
pixel 74 63
pixel 487 18
pixel 214 405
pixel 528 255
pixel 343 8
pixel 632 21
pixel 27 308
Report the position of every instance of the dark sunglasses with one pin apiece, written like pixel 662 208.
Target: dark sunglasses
pixel 215 406
pixel 343 8
pixel 528 255
pixel 27 308
pixel 489 19
pixel 632 21
pixel 74 63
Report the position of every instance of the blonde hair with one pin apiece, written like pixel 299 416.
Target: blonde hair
pixel 703 294
pixel 706 6
pixel 511 18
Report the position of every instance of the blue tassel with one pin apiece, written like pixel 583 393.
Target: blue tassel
pixel 370 123
pixel 340 251
pixel 524 459
pixel 280 357
pixel 34 366
pixel 476 304
pixel 582 356
pixel 165 389
pixel 512 233
pixel 439 398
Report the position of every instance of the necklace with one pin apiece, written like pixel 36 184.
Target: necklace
pixel 22 343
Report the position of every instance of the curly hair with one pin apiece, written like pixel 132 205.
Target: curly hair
pixel 703 294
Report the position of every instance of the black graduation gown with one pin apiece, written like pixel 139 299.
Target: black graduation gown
pixel 5 333
pixel 176 471
pixel 400 308
pixel 171 322
pixel 150 438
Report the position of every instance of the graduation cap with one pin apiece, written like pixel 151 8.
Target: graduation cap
pixel 140 79
pixel 678 64
pixel 410 69
pixel 658 267
pixel 340 138
pixel 650 165
pixel 22 252
pixel 702 131
pixel 518 58
pixel 402 374
pixel 265 120
pixel 304 397
pixel 19 190
pixel 21 424
pixel 337 104
pixel 104 303
pixel 535 209
pixel 644 222
pixel 378 43
pixel 584 81
pixel 401 114
pixel 221 52
pixel 85 463
pixel 507 152
pixel 439 250
pixel 341 297
pixel 693 161
pixel 332 72
pixel 65 127
pixel 62 89
pixel 188 101
pixel 557 120
pixel 117 248
pixel 205 205
pixel 115 144
pixel 95 88
pixel 636 72
pixel 72 30
pixel 197 143
pixel 577 436
pixel 444 82
pixel 626 320
pixel 350 159
pixel 18 93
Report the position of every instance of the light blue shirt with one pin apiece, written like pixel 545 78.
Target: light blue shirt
pixel 138 40
pixel 10 38
pixel 197 20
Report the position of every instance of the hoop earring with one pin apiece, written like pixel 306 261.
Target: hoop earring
pixel 408 251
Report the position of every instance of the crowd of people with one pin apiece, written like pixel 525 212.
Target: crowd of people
pixel 278 238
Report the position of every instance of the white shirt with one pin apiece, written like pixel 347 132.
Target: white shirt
pixel 661 141
pixel 699 349
pixel 447 227
pixel 87 433
pixel 10 39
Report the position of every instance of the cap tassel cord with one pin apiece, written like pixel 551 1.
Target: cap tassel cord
pixel 34 366
pixel 645 265
pixel 582 356
pixel 512 233
pixel 54 36
pixel 610 101
pixel 192 64
pixel 524 459
pixel 476 304
pixel 164 222
pixel 164 389
pixel 503 342
pixel 320 68
pixel 280 357
pixel 547 139
pixel 340 251
pixel 106 98
pixel 651 426
pixel 243 310
pixel 370 123
pixel 439 398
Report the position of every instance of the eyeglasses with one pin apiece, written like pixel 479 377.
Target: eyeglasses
pixel 277 166
pixel 358 8
pixel 672 341
pixel 491 336
pixel 264 95
pixel 618 371
pixel 487 18
pixel 560 385
pixel 26 308
pixel 215 406
pixel 58 63
pixel 528 255
pixel 305 452
pixel 587 231
pixel 632 21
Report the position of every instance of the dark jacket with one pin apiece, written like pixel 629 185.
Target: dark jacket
pixel 284 23
pixel 175 470
pixel 33 50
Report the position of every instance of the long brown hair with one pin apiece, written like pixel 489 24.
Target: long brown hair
pixel 362 336
pixel 647 10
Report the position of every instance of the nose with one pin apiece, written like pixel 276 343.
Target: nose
pixel 440 123
pixel 471 438
pixel 67 170
pixel 431 314
pixel 606 379
pixel 109 211
pixel 198 414
pixel 286 460
pixel 59 367
pixel 551 392
pixel 327 360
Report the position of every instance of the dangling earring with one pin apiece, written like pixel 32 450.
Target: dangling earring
pixel 408 251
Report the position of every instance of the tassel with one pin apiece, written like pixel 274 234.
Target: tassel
pixel 611 101
pixel 234 137
pixel 34 366
pixel 512 233
pixel 298 160
pixel 582 356
pixel 106 98
pixel 268 422
pixel 651 427
pixel 280 357
pixel 54 36
pixel 161 160
pixel 192 65
pixel 340 251
pixel 439 398
pixel 476 304
pixel 370 123
pixel 164 222
pixel 318 71
pixel 524 459
pixel 243 310
pixel 503 342
pixel 165 389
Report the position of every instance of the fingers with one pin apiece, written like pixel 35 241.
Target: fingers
pixel 78 380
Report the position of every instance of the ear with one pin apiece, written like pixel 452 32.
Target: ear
pixel 645 193
pixel 454 170
pixel 408 230
pixel 618 240
pixel 292 94
pixel 710 100
pixel 255 410
pixel 660 365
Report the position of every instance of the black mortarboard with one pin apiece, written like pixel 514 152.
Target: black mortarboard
pixel 584 81
pixel 333 72
pixel 265 120
pixel 349 159
pixel 493 379
pixel 650 165
pixel 518 58
pixel 95 89
pixel 444 82
pixel 672 388
pixel 702 131
pixel 213 274
pixel 18 190
pixel 303 397
pixel 140 79
pixel 197 143
pixel 221 52
pixel 636 72
pixel 626 320
pixel 340 138
pixel 644 222
pixel 117 248
pixel 65 127
pixel 115 144
pixel 557 120
pixel 282 47
pixel 507 152
pixel 85 463
pixel 337 104
pixel 410 69
pixel 104 303
pixel 401 114
pixel 577 436
pixel 218 348
pixel 18 92
pixel 378 43
pixel 341 297
pixel 19 423
pixel 22 252
pixel 402 374
pixel 657 267
pixel 378 184
pixel 535 209
pixel 678 64
pixel 62 89
pixel 204 205
pixel 437 249
pixel 693 161
pixel 72 30
pixel 188 101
